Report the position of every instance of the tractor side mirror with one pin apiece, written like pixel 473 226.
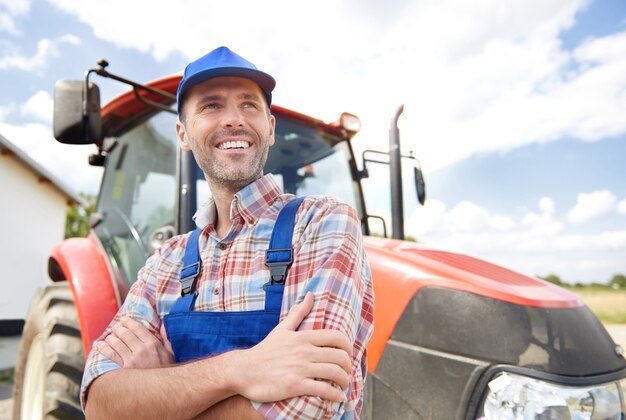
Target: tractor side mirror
pixel 76 117
pixel 420 185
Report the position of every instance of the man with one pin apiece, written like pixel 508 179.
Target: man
pixel 312 364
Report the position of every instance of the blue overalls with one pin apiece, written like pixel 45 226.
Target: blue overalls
pixel 198 334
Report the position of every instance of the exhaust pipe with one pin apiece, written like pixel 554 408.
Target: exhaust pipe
pixel 395 167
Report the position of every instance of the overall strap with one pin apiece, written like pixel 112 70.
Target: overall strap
pixel 279 255
pixel 191 264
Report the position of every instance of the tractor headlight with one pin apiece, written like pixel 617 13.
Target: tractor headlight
pixel 511 396
pixel 350 122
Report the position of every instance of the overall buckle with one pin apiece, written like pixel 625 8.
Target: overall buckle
pixel 278 261
pixel 188 282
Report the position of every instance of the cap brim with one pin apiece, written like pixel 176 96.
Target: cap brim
pixel 264 80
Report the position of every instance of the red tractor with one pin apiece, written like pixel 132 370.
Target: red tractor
pixel 455 337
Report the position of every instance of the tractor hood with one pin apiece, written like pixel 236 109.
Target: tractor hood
pixel 401 269
pixel 415 266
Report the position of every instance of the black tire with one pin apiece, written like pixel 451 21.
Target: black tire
pixel 52 334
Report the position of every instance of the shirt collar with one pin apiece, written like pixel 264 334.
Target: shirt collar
pixel 250 202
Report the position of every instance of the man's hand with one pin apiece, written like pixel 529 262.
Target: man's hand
pixel 290 363
pixel 131 345
pixel 286 364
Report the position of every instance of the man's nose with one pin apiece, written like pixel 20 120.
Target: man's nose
pixel 232 117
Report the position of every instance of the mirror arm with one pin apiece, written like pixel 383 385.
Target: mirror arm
pixel 137 87
pixel 104 73
pixel 86 96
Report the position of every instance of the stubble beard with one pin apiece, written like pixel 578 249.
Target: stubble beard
pixel 232 176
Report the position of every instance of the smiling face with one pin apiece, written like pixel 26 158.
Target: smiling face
pixel 227 125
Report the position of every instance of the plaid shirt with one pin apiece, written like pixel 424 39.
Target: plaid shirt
pixel 329 261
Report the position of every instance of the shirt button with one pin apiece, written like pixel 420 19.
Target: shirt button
pixel 222 246
pixel 216 291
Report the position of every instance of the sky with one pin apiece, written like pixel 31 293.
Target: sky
pixel 516 109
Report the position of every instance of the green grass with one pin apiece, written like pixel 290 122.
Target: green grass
pixel 6 375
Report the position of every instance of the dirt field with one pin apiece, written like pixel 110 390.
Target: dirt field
pixel 5 409
pixel 5 404
pixel 608 305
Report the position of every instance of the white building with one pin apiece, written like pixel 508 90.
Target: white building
pixel 33 206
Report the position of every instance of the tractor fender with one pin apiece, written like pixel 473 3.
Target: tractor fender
pixel 394 286
pixel 82 262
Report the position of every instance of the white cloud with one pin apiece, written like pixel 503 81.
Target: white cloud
pixel 531 218
pixel 6 111
pixel 543 224
pixel 621 207
pixel 47 49
pixel 7 24
pixel 10 9
pixel 16 7
pixel 468 87
pixel 38 106
pixel 614 239
pixel 592 205
pixel 427 218
pixel 467 216
pixel 546 204
pixel 574 257
pixel 547 229
pixel 537 246
pixel 501 223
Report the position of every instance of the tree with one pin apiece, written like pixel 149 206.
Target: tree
pixel 77 217
pixel 552 278
pixel 618 281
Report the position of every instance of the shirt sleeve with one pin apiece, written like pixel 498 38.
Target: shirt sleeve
pixel 330 262
pixel 140 304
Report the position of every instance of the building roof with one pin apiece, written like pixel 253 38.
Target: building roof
pixel 6 147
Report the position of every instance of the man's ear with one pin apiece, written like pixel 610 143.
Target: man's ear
pixel 272 121
pixel 181 133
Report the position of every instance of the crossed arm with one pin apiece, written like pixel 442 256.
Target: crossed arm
pixel 278 376
pixel 286 364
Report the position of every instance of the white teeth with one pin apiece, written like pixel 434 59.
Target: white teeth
pixel 239 144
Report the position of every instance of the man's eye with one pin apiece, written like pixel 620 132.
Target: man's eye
pixel 211 105
pixel 250 105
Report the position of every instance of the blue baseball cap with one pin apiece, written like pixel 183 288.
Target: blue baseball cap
pixel 219 63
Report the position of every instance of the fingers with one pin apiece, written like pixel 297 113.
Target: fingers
pixel 328 338
pixel 118 346
pixel 107 351
pixel 334 356
pixel 131 345
pixel 298 313
pixel 138 329
pixel 126 336
pixel 328 372
pixel 322 389
pixel 140 339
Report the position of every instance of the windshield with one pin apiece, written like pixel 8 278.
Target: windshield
pixel 304 162
pixel 137 204
pixel 138 194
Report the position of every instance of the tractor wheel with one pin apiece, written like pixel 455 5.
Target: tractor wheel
pixel 50 362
